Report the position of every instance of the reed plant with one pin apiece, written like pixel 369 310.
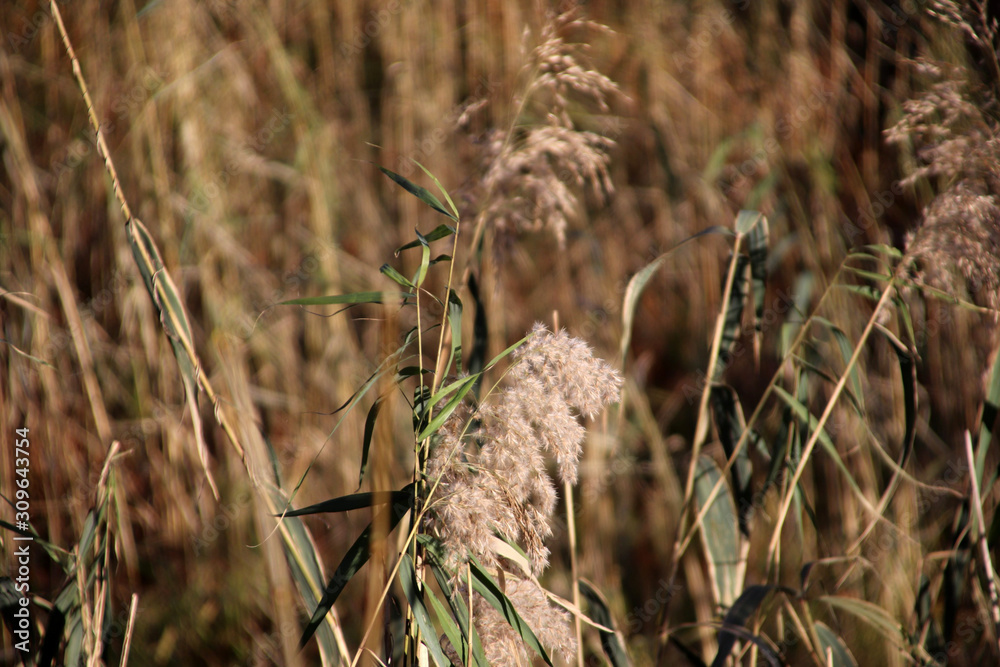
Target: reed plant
pixel 260 443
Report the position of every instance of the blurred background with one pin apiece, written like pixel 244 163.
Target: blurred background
pixel 246 134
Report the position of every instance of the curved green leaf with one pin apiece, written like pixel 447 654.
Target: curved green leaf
pixel 415 596
pixel 484 584
pixel 421 193
pixel 355 501
pixel 353 298
pixel 832 649
pixel 439 232
pixel 353 560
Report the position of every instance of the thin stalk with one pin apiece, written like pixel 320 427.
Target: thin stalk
pixel 574 569
pixel 821 423
pixel 684 541
pixel 984 549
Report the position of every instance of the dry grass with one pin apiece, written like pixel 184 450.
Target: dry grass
pixel 242 134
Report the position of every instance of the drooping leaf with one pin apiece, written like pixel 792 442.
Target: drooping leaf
pixel 459 606
pixel 355 501
pixel 415 596
pixel 396 276
pixel 484 584
pixel 737 617
pixel 353 298
pixel 833 651
pixel 439 232
pixel 877 617
pixel 846 352
pixel 355 558
pixel 448 625
pixel 420 192
pixel 369 433
pixel 425 260
pixel 599 612
pixel 447 197
pixel 174 319
pixel 638 283
pixel 807 420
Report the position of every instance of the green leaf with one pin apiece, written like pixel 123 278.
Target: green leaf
pixel 439 232
pixel 459 606
pixel 300 552
pixel 809 421
pixel 444 192
pixel 737 617
pixel 421 193
pixel 599 613
pixel 720 534
pixel 846 352
pixel 355 501
pixel 449 407
pixel 455 320
pixel 748 220
pixel 174 319
pixel 870 275
pixel 448 625
pixel 877 617
pixel 396 276
pixel 353 298
pixel 408 580
pixel 353 560
pixel 369 433
pixel 832 649
pixel 869 292
pixel 631 300
pixel 889 250
pixel 484 584
pixel 425 259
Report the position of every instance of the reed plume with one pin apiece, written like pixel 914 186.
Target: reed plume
pixel 500 486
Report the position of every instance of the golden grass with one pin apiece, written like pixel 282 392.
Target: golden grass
pixel 243 134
